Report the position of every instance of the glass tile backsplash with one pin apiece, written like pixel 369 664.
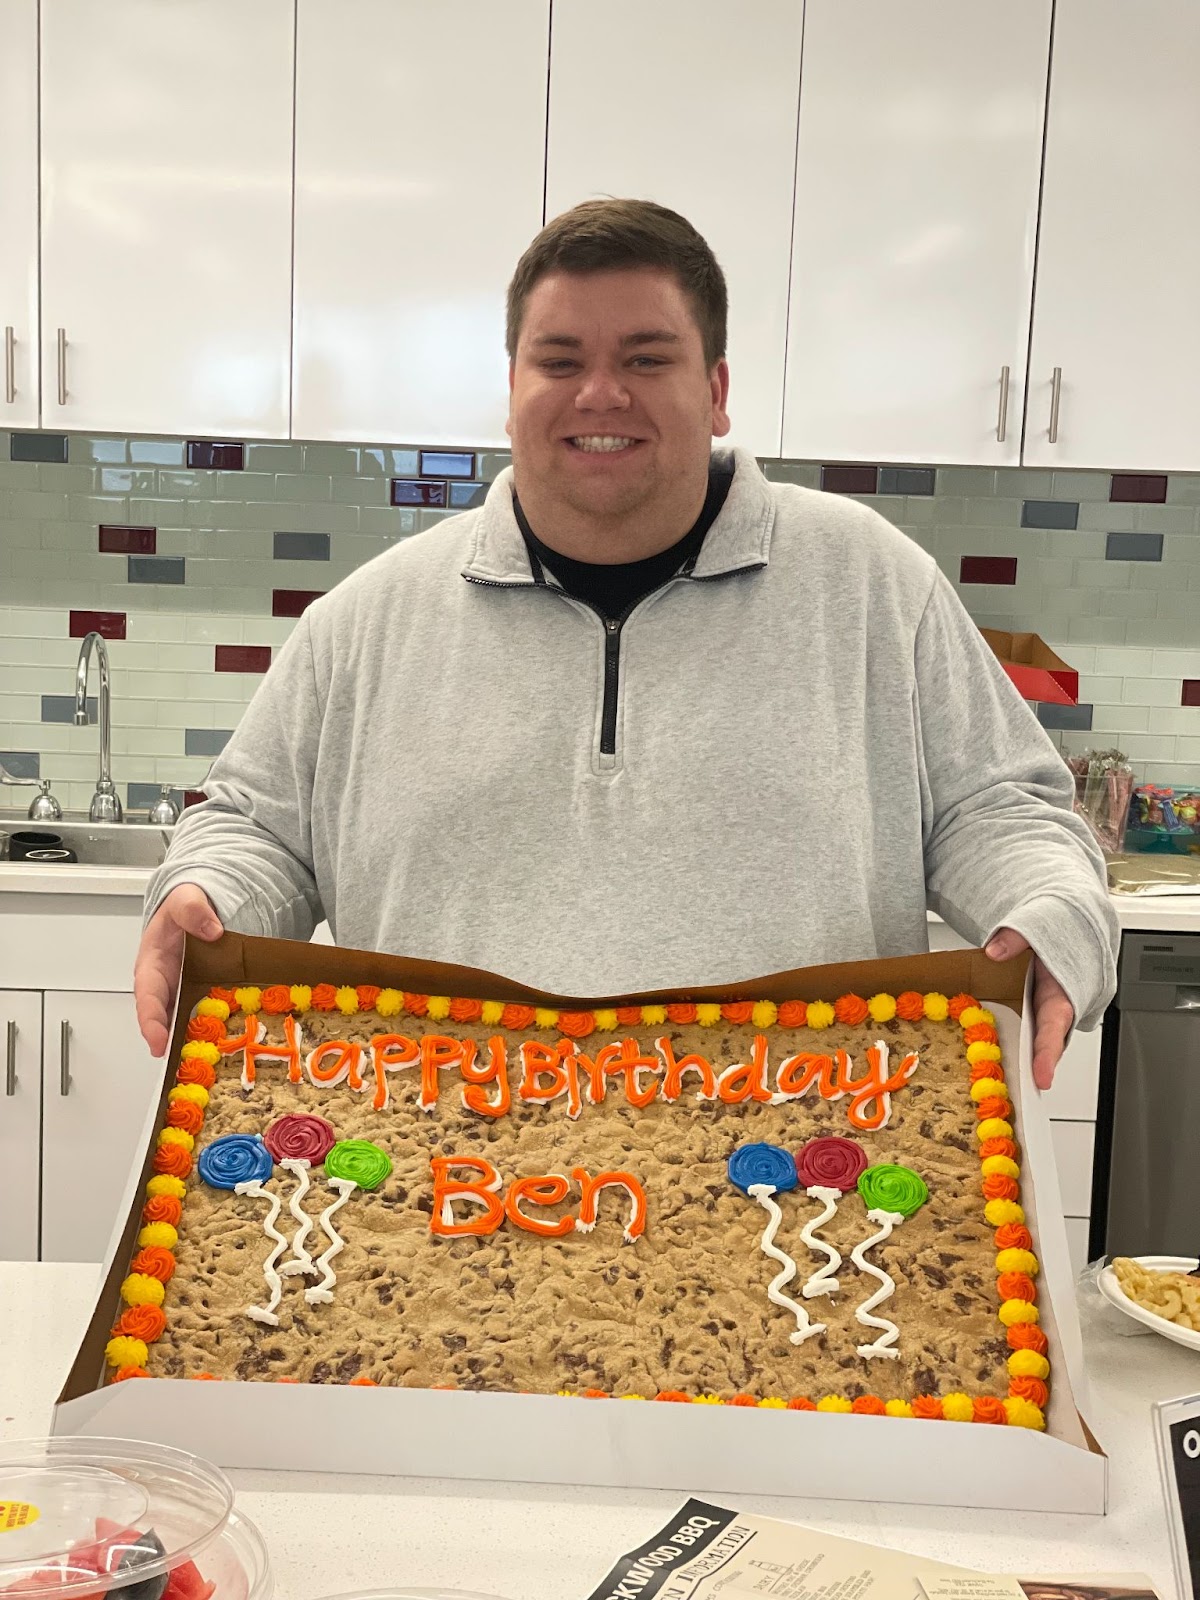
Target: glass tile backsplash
pixel 194 559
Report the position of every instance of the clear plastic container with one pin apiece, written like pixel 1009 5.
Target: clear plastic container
pixel 84 1517
pixel 236 1562
pixel 413 1594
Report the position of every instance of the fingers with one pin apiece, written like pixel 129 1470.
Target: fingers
pixel 186 909
pixel 1054 1016
pixel 1005 944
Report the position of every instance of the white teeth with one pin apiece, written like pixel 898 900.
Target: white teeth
pixel 601 442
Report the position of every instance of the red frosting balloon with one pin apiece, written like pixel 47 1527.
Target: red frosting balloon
pixel 299 1137
pixel 831 1163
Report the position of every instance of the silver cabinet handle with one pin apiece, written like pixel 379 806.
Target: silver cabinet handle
pixel 10 1066
pixel 62 366
pixel 1002 423
pixel 1055 398
pixel 64 1057
pixel 10 365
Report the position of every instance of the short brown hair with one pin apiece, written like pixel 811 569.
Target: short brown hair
pixel 613 235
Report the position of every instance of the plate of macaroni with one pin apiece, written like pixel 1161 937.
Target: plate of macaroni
pixel 1156 1291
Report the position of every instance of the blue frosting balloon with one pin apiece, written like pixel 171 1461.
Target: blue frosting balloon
pixel 763 1163
pixel 234 1158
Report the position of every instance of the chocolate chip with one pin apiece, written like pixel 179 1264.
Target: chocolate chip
pixel 924 1381
pixel 349 1367
pixel 454 1341
pixel 962 1301
pixel 935 1275
pixel 321 1373
pixel 425 1203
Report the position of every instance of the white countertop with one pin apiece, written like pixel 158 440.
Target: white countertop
pixel 527 1542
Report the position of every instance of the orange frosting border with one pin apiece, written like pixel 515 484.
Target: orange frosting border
pixel 1022 1331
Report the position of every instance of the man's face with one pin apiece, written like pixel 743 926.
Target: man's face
pixel 612 407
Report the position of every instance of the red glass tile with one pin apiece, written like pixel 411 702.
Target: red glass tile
pixel 849 480
pixel 115 541
pixel 193 797
pixel 988 569
pixel 413 492
pixel 1191 692
pixel 108 624
pixel 1145 486
pixel 293 602
pixel 215 455
pixel 242 658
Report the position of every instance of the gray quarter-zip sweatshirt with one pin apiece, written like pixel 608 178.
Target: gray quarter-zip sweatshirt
pixel 810 743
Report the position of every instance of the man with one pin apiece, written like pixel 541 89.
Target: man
pixel 643 719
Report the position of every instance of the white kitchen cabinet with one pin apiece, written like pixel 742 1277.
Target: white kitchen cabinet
pixel 99 1085
pixel 915 224
pixel 1119 250
pixel 20 1122
pixel 166 161
pixel 683 103
pixel 420 153
pixel 18 214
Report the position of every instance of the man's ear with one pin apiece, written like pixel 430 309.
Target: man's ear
pixel 719 385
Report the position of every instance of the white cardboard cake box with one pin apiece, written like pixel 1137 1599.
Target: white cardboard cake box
pixel 548 1439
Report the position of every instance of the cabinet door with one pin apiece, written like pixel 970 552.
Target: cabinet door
pixel 20 1122
pixel 420 150
pixel 916 216
pixel 18 214
pixel 683 103
pixel 1119 247
pixel 99 1084
pixel 166 215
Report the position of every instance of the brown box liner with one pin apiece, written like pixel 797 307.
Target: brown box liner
pixel 238 958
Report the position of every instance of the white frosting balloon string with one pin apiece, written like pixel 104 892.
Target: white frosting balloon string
pixel 822 1280
pixel 274 1281
pixel 303 1261
pixel 885 1344
pixel 805 1327
pixel 322 1292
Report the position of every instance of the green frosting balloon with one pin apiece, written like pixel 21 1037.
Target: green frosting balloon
pixel 360 1160
pixel 885 1188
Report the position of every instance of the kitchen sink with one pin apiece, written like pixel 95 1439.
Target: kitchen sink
pixel 99 844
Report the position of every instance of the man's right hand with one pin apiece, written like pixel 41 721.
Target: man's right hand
pixel 186 909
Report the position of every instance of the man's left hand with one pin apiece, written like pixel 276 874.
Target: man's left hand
pixel 1053 1013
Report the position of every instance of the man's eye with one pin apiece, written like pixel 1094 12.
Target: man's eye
pixel 649 361
pixel 560 364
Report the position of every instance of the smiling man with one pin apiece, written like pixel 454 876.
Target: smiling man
pixel 643 719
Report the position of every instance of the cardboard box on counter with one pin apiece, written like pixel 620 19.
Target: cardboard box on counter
pixel 550 1439
pixel 1038 673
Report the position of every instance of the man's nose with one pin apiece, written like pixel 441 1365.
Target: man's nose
pixel 601 390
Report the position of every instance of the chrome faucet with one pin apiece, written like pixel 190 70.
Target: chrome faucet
pixel 105 806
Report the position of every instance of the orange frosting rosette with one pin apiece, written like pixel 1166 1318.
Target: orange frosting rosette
pixel 673 1395
pixel 980 1033
pixel 999 1147
pixel 1027 1336
pixel 1013 1235
pixel 172 1159
pixel 277 998
pixel 987 1408
pixel 996 1186
pixel 850 1009
pixel 792 1014
pixel 367 994
pixel 1016 1286
pixel 993 1106
pixel 576 1024
pixel 123 1373
pixel 984 1069
pixel 142 1322
pixel 1034 1390
pixel 742 1400
pixel 185 1114
pixel 869 1405
pixel 517 1017
pixel 910 1006
pixel 798 1402
pixel 155 1262
pixel 163 1208
pixel 681 1014
pixel 961 1003
pixel 738 1011
pixel 630 1017
pixel 210 1030
pixel 196 1072
pixel 228 995
pixel 417 1005
pixel 465 1010
pixel 324 997
pixel 927 1406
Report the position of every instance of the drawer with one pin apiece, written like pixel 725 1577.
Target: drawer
pixel 1073 1150
pixel 1076 1082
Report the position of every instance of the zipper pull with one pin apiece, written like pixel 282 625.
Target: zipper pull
pixel 612 624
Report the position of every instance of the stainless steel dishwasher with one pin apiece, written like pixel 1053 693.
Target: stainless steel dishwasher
pixel 1154 1165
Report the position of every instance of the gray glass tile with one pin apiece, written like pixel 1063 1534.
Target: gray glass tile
pixel 465 495
pixel 21 764
pixel 1050 514
pixel 141 796
pixel 301 547
pixel 156 452
pixel 61 708
pixel 1134 547
pixel 101 452
pixel 37 447
pixel 156 569
pixel 205 741
pixel 1078 718
pixel 446 464
pixel 908 480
